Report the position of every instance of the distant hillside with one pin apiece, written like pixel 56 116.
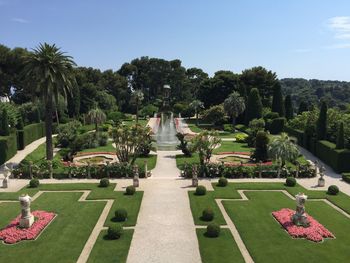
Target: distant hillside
pixel 336 93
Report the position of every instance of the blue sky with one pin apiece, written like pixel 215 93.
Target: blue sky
pixel 295 38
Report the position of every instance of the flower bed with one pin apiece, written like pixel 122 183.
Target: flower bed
pixel 239 153
pixel 315 232
pixel 13 233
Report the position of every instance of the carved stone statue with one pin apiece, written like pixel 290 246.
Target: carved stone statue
pixel 300 218
pixel 27 219
pixel 194 176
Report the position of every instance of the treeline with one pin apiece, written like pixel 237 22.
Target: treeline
pixel 335 93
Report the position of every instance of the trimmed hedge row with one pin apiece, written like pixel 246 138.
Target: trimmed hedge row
pixel 325 150
pixel 29 134
pixel 8 147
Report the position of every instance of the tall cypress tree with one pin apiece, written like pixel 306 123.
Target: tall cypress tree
pixel 5 130
pixel 302 107
pixel 254 106
pixel 288 107
pixel 340 136
pixel 277 100
pixel 321 128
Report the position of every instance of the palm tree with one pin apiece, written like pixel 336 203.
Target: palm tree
pixel 137 98
pixel 196 105
pixel 96 116
pixel 284 149
pixel 234 105
pixel 51 69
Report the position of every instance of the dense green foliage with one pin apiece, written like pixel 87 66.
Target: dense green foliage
pixel 333 190
pixel 340 136
pixel 288 107
pixel 208 214
pixel 213 230
pixel 8 147
pixel 4 128
pixel 321 125
pixel 290 181
pixel 254 106
pixel 277 100
pixel 120 215
pixel 201 190
pixel 261 142
pixel 104 182
pixel 34 183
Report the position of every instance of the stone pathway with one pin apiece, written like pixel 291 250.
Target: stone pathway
pixel 165 231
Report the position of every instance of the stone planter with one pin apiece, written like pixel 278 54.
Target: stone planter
pixel 321 182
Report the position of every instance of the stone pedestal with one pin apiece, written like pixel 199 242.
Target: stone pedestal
pixel 321 182
pixel 135 182
pixel 5 183
pixel 195 182
pixel 27 219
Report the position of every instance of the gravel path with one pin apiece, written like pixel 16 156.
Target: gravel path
pixel 165 231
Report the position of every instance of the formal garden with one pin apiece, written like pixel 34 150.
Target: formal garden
pixel 127 166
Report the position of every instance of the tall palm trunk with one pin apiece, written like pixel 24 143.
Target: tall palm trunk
pixel 48 126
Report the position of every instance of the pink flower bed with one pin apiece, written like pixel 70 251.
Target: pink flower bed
pixel 315 232
pixel 13 233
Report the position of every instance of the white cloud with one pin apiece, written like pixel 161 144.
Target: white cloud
pixel 340 25
pixel 19 20
pixel 339 46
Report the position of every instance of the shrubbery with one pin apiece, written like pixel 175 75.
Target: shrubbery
pixel 34 183
pixel 222 182
pixel 201 190
pixel 104 182
pixel 8 147
pixel 213 230
pixel 346 177
pixel 208 214
pixel 130 190
pixel 291 181
pixel 120 215
pixel 276 126
pixel 114 232
pixel 333 190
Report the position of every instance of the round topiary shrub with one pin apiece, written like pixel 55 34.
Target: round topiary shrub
pixel 333 190
pixel 213 230
pixel 222 182
pixel 201 190
pixel 130 190
pixel 34 183
pixel 208 214
pixel 104 182
pixel 290 181
pixel 114 232
pixel 120 215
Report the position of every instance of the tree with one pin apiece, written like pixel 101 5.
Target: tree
pixel 183 146
pixel 282 148
pixel 214 114
pixel 254 106
pixel 261 142
pixel 288 107
pixel 321 125
pixel 204 143
pixel 137 98
pixel 303 106
pixel 340 136
pixel 96 116
pixel 234 105
pixel 5 130
pixel 277 100
pixel 130 142
pixel 197 105
pixel 51 68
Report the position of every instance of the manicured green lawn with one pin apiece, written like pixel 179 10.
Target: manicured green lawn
pixel 229 146
pixel 111 251
pixel 67 234
pixel 181 160
pixel 220 249
pixel 107 148
pixel 142 122
pixel 265 239
pixel 268 242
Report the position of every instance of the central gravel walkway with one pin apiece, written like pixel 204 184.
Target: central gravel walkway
pixel 165 231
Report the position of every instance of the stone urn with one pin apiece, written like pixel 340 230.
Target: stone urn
pixel 194 176
pixel 27 219
pixel 135 181
pixel 5 183
pixel 300 218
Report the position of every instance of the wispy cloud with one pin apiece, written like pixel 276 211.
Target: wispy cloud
pixel 19 20
pixel 340 25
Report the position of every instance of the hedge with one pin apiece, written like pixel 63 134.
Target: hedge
pixel 276 126
pixel 337 159
pixel 298 134
pixel 346 177
pixel 29 134
pixel 8 147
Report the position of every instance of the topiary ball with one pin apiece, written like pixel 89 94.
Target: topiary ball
pixel 213 230
pixel 290 181
pixel 120 215
pixel 333 190
pixel 114 232
pixel 208 214
pixel 222 182
pixel 104 182
pixel 201 190
pixel 130 190
pixel 34 183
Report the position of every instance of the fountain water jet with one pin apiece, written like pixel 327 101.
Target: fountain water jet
pixel 166 135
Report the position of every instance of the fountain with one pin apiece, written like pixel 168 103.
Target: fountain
pixel 166 135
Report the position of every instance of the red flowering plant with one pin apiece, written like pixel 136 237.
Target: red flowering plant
pixel 315 232
pixel 13 233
